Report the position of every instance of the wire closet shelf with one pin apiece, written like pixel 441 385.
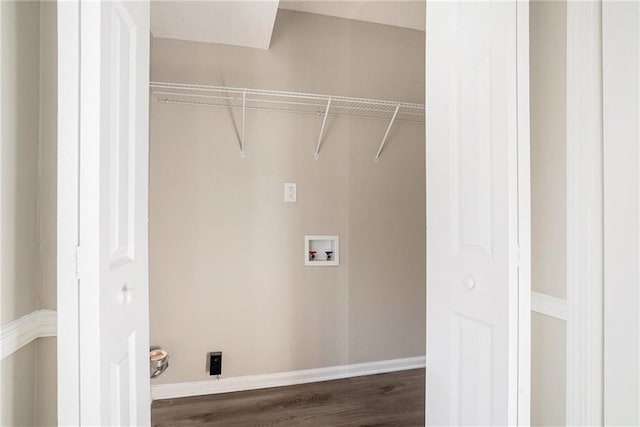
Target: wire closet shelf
pixel 290 102
pixel 293 102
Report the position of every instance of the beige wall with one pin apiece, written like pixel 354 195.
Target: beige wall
pixel 548 193
pixel 46 374
pixel 226 253
pixel 548 379
pixel 20 114
pixel 18 387
pixel 386 243
pixel 46 348
pixel 47 192
pixel 28 170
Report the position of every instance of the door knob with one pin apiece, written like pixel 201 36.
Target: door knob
pixel 468 282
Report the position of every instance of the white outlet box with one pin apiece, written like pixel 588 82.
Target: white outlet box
pixel 290 192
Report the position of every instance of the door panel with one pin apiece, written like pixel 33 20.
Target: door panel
pixel 121 33
pixel 122 373
pixel 113 265
pixel 471 155
pixel 471 371
pixel 472 214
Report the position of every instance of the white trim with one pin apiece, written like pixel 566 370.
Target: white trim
pixel 20 332
pixel 621 132
pixel 68 349
pixel 523 107
pixel 254 382
pixel 584 214
pixel 549 305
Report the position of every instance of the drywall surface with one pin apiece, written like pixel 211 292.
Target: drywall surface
pixel 46 374
pixel 28 215
pixel 548 202
pixel 48 149
pixel 386 243
pixel 46 351
pixel 548 146
pixel 548 371
pixel 20 116
pixel 19 62
pixel 227 254
pixel 18 387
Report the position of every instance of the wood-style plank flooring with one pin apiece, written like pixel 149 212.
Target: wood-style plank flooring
pixel 394 399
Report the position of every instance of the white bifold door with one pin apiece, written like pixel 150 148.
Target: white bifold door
pixel 478 288
pixel 103 192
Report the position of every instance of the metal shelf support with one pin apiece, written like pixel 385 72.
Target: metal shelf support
pixel 386 134
pixel 316 154
pixel 244 108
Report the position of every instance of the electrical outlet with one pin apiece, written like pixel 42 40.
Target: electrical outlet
pixel 290 192
pixel 215 363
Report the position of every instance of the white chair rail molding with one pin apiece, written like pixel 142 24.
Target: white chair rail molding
pixel 22 331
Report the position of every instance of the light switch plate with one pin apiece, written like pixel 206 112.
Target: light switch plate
pixel 290 192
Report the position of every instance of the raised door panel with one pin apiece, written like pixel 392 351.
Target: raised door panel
pixel 471 371
pixel 122 38
pixel 470 130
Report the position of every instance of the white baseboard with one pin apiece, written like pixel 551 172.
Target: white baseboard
pixel 548 305
pixel 253 382
pixel 20 332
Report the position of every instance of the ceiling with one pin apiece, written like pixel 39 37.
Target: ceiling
pixel 249 23
pixel 400 13
pixel 237 23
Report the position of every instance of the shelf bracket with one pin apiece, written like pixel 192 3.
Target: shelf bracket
pixel 244 107
pixel 316 154
pixel 386 134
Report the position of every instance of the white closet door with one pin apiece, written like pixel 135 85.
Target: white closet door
pixel 472 213
pixel 110 138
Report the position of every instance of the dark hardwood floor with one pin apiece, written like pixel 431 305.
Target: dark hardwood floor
pixel 394 399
